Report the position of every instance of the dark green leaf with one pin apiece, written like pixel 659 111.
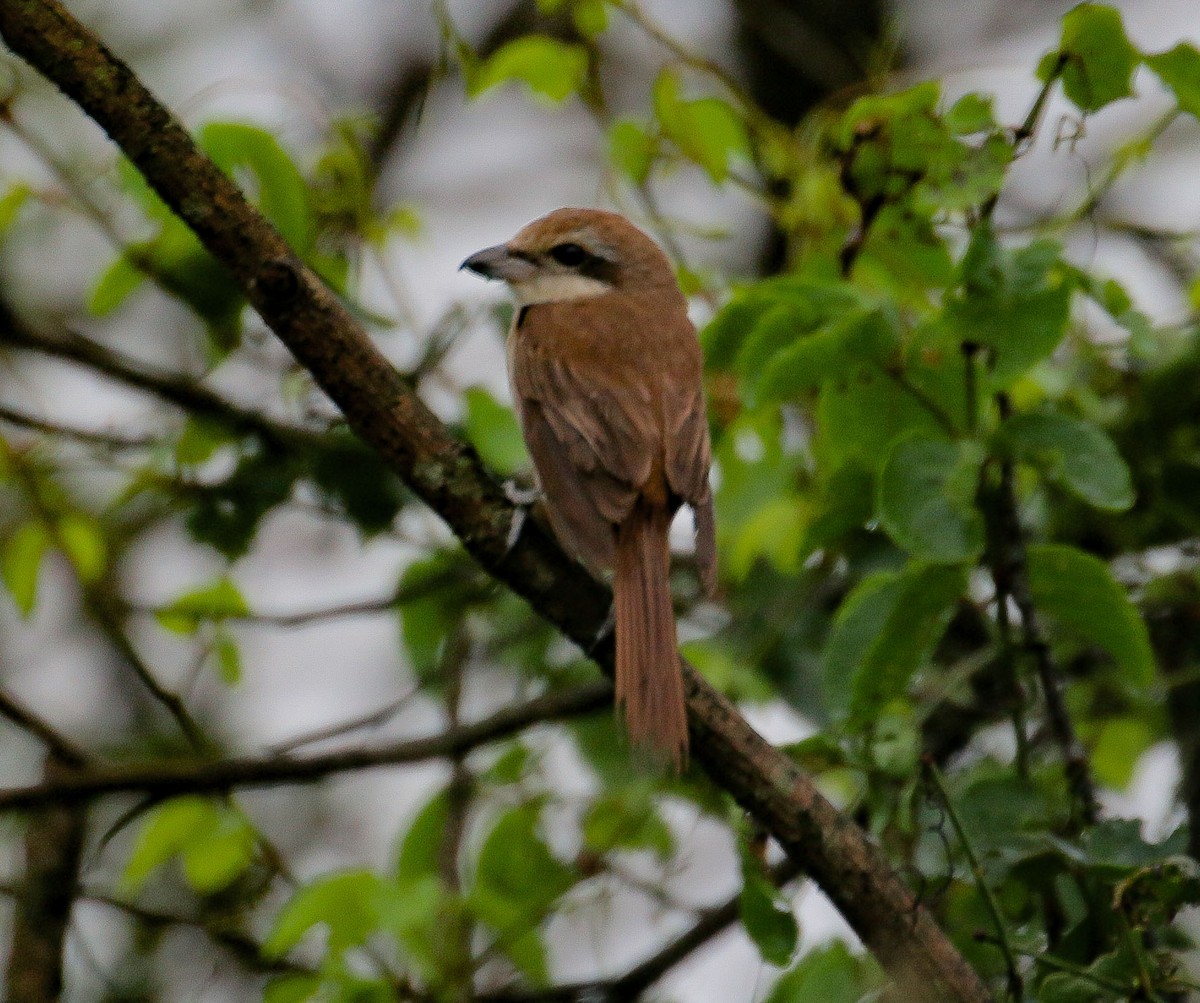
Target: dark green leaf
pixel 1073 453
pixel 420 852
pixel 926 498
pixel 1100 59
pixel 767 916
pixel 353 476
pixel 1080 592
pixel 114 286
pixel 626 820
pixel 832 352
pixel 884 631
pixel 227 515
pixel 1179 69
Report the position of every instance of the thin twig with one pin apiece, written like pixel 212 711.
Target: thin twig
pixel 170 778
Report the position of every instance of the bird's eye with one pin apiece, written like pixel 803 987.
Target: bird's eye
pixel 568 254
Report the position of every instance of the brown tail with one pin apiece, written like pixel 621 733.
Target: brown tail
pixel 649 678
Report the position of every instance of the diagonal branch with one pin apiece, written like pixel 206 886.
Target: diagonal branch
pixel 447 474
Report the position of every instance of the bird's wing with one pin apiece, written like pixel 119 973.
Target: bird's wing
pixel 688 451
pixel 592 434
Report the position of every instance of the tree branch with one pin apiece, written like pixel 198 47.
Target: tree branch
pixel 447 474
pixel 170 778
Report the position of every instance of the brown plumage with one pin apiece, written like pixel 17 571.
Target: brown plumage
pixel 606 373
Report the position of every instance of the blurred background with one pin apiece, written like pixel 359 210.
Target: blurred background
pixel 460 174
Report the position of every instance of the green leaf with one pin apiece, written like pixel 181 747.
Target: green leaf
pixel 708 131
pixel 631 149
pixel 20 562
pixel 421 849
pixel 885 630
pixel 199 441
pixel 229 658
pixel 494 432
pixel 506 899
pixel 1117 749
pixel 352 476
pixel 925 499
pixel 832 352
pixel 1079 591
pixel 766 915
pixel 970 113
pixel 545 65
pixel 830 974
pixel 1073 453
pixel 217 852
pixel 426 623
pixel 1099 58
pixel 227 515
pixel 218 601
pixel 282 193
pixel 627 820
pixel 11 203
pixel 292 989
pixel 114 286
pixel 590 17
pixel 349 903
pixel 166 831
pixel 1179 69
pixel 82 539
pixel 1016 302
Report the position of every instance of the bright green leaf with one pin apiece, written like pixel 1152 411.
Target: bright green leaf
pixel 1179 69
pixel 229 658
pixel 631 149
pixel 11 203
pixel 547 66
pixel 1099 58
pixel 165 832
pixel 82 539
pixel 1075 454
pixel 830 974
pixel 421 849
pixel 1079 591
pixel 20 562
pixel 282 192
pixel 1117 749
pixel 970 113
pixel 925 499
pixel 218 601
pixel 348 903
pixel 494 432
pixel 708 131
pixel 113 286
pixel 590 17
pixel 217 854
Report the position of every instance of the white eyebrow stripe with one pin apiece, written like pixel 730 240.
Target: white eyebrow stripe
pixel 558 287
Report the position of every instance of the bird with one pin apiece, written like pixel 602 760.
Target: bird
pixel 606 373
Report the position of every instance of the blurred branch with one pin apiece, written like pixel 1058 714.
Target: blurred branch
pixel 91 437
pixel 711 923
pixel 174 388
pixel 63 749
pixel 447 474
pixel 53 850
pixel 189 776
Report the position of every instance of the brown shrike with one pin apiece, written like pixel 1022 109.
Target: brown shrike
pixel 606 373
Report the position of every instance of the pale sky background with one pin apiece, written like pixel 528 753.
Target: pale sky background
pixel 475 172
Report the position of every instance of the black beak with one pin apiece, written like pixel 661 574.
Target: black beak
pixel 489 262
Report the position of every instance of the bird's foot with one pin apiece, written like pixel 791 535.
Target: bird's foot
pixel 522 500
pixel 606 628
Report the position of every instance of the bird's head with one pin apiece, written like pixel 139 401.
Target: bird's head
pixel 573 254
